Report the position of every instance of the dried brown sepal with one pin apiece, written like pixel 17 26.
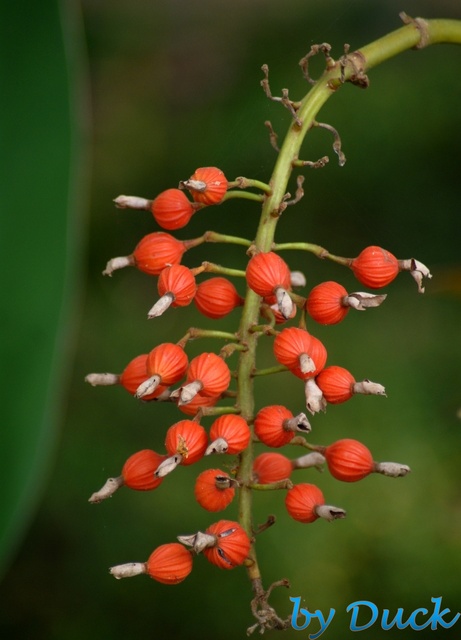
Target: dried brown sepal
pixel 102 379
pixel 360 300
pixel 107 491
pixel 329 513
pixel 128 570
pixel 284 302
pixel 161 305
pixel 298 423
pixel 369 388
pixel 315 400
pixel 118 263
pixel 312 459
pixel 168 465
pixel 391 469
pixel 132 202
pixel 417 270
pixel 198 541
pixel 147 387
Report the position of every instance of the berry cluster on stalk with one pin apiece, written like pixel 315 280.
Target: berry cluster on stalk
pixel 196 386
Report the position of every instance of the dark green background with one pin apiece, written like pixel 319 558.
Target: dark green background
pixel 115 97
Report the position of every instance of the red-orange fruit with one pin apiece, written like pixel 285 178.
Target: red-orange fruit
pixel 271 467
pixel 301 501
pixel 232 428
pixel 293 342
pixel 266 272
pixel 170 563
pixel 168 361
pixel 211 491
pixel 349 460
pixel 198 401
pixel 232 544
pixel 211 371
pixel 324 303
pixel 375 267
pixel 215 185
pixel 216 298
pixel 188 439
pixel 135 373
pixel 138 470
pixel 269 426
pixel 157 250
pixel 172 209
pixel 336 384
pixel 178 281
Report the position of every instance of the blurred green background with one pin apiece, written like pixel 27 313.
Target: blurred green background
pixel 110 97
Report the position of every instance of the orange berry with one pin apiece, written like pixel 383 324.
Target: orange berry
pixel 172 209
pixel 234 430
pixel 207 185
pixel 198 401
pixel 138 470
pixel 302 500
pixel 266 272
pixel 135 373
pixel 168 361
pixel 336 384
pixel 231 547
pixel 271 467
pixel 217 297
pixel 324 303
pixel 349 460
pixel 375 267
pixel 213 490
pixel 179 282
pixel 157 250
pixel 270 426
pixel 170 563
pixel 188 439
pixel 211 371
pixel 292 344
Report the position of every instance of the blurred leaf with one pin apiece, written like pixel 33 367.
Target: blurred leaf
pixel 39 240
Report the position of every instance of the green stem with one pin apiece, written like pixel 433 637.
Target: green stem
pixel 352 68
pixel 246 195
pixel 213 236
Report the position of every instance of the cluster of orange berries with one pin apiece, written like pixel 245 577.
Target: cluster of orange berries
pixel 205 379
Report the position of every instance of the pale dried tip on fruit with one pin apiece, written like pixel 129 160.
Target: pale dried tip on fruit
pixel 417 270
pixel 360 300
pixel 168 465
pixel 147 387
pixel 161 306
pixel 306 364
pixel 220 445
pixel 194 185
pixel 312 459
pixel 297 279
pixel 131 202
pixel 327 512
pixel 198 541
pixel 102 379
pixel 284 302
pixel 298 423
pixel 367 387
pixel 128 570
pixel 315 400
pixel 118 263
pixel 110 487
pixel 392 469
pixel 189 391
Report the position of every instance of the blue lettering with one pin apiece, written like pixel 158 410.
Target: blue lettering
pixel 385 625
pixel 324 624
pixel 437 617
pixel 412 620
pixel 297 612
pixel 355 612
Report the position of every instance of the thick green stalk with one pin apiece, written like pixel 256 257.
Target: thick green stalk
pixel 351 67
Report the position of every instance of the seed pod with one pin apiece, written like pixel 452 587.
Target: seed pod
pixel 134 374
pixel 305 503
pixel 214 490
pixel 300 351
pixel 170 563
pixel 231 546
pixel 137 473
pixel 229 434
pixel 375 267
pixel 338 385
pixel 348 460
pixel 166 364
pixel 172 209
pixel 325 303
pixel 152 254
pixel 207 185
pixel 207 374
pixel 275 425
pixel 187 439
pixel 271 467
pixel 217 297
pixel 267 274
pixel 176 286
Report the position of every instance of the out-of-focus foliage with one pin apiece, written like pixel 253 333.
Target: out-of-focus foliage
pixel 175 85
